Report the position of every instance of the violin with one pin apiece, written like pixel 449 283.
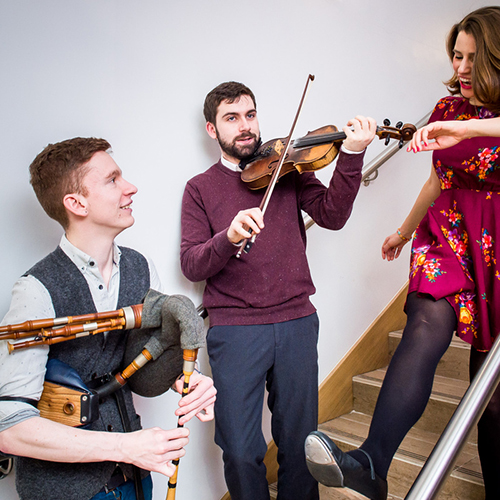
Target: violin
pixel 314 151
pixel 273 159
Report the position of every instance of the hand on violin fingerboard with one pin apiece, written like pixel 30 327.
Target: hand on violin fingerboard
pixel 359 132
pixel 245 220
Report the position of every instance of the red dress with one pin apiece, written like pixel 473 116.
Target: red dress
pixel 454 251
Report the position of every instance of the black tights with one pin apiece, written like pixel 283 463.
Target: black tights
pixel 408 384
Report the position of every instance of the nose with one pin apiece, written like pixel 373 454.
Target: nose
pixel 129 189
pixel 244 125
pixel 465 66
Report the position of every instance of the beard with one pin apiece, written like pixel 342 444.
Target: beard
pixel 237 151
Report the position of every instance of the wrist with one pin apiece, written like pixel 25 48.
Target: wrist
pixel 350 150
pixel 402 236
pixel 231 237
pixel 473 128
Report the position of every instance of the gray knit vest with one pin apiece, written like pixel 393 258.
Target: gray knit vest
pixel 91 357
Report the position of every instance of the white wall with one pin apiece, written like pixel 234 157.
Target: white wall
pixel 137 72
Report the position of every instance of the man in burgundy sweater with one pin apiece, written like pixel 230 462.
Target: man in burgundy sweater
pixel 263 326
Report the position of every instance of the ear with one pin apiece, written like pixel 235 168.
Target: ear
pixel 76 204
pixel 211 130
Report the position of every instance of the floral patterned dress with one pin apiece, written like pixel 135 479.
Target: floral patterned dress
pixel 455 248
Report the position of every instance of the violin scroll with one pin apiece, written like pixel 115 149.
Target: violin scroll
pixel 401 132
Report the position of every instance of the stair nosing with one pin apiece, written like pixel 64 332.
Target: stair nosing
pixel 405 456
pixel 368 379
pixel 456 342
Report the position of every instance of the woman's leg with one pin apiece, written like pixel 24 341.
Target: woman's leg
pixel 408 383
pixel 488 433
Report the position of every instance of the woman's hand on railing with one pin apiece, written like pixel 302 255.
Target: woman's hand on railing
pixel 392 246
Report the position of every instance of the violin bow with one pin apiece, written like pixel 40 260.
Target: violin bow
pixel 247 243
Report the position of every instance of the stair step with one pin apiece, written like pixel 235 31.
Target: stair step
pixel 446 395
pixel 330 493
pixel 465 482
pixel 454 363
pixel 450 384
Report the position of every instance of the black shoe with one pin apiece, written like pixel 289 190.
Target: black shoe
pixel 330 466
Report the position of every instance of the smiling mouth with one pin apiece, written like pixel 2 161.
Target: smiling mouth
pixel 466 83
pixel 126 207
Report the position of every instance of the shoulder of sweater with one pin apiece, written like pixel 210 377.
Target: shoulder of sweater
pixel 215 171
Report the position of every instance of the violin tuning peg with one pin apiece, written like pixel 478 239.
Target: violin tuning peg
pixel 399 124
pixel 387 122
pixel 401 142
pixel 387 140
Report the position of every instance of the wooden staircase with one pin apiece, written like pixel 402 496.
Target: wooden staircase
pixel 347 400
pixel 451 382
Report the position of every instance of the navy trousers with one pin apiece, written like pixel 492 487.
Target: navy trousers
pixel 244 360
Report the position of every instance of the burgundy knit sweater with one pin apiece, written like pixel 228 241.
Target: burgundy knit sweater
pixel 272 283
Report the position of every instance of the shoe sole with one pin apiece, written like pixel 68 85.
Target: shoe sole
pixel 322 464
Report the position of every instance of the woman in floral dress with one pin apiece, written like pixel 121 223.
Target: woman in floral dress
pixel 454 271
pixel 453 253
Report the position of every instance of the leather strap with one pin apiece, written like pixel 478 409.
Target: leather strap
pixel 116 479
pixel 120 401
pixel 32 402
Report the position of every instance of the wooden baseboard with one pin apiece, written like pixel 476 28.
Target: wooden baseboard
pixel 370 352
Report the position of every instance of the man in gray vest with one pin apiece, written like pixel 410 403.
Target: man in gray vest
pixel 79 185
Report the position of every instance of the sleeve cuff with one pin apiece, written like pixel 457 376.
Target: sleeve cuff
pixel 13 413
pixel 349 152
